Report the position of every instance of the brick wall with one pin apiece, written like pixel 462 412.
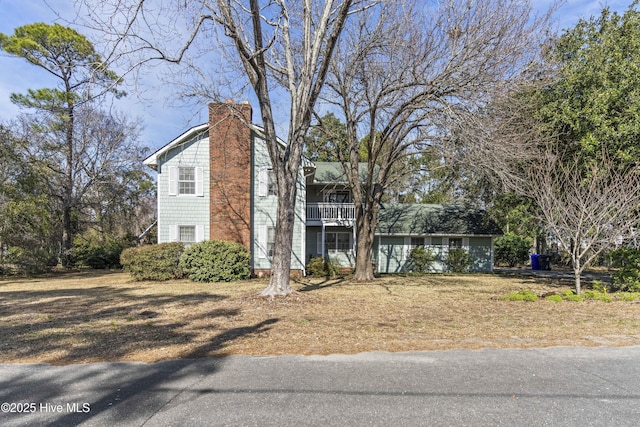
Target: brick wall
pixel 230 183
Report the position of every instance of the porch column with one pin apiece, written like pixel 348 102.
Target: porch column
pixel 323 248
pixel 354 240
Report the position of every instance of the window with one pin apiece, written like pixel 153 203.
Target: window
pixel 186 180
pixel 271 241
pixel 272 188
pixel 417 242
pixel 337 196
pixel 455 243
pixel 187 233
pixel 337 242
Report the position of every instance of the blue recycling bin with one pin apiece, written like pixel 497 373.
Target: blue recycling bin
pixel 535 262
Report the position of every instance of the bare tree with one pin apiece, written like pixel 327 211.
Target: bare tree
pixel 279 45
pixel 590 209
pixel 404 71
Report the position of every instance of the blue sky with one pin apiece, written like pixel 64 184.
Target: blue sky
pixel 163 122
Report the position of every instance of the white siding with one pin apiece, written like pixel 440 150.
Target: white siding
pixel 265 210
pixel 173 209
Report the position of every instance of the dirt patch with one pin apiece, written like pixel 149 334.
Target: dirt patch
pixel 88 317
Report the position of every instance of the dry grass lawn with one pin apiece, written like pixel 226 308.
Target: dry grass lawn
pixel 91 316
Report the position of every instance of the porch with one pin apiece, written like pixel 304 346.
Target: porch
pixel 339 214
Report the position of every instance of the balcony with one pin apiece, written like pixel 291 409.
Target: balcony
pixel 330 213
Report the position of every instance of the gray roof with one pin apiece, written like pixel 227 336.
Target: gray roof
pixel 419 219
pixel 333 172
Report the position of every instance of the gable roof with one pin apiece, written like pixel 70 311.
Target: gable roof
pixel 203 129
pixel 190 134
pixel 333 173
pixel 445 220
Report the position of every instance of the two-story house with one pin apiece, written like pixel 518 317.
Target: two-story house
pixel 215 182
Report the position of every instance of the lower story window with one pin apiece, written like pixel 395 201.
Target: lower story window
pixel 455 243
pixel 187 233
pixel 271 241
pixel 338 242
pixel 417 242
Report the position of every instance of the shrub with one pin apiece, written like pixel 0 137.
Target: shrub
pixel 215 261
pixel 600 286
pixel 569 295
pixel 523 295
pixel 153 262
pixel 421 260
pixel 554 298
pixel 98 255
pixel 628 296
pixel 27 260
pixel 627 277
pixel 595 295
pixel 512 250
pixel 458 261
pixel 321 267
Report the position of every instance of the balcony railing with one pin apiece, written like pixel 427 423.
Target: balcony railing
pixel 330 212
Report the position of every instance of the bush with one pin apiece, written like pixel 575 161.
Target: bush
pixel 512 250
pixel 523 295
pixel 98 255
pixel 153 262
pixel 421 260
pixel 627 277
pixel 570 295
pixel 215 261
pixel 554 298
pixel 458 261
pixel 27 261
pixel 321 267
pixel 598 296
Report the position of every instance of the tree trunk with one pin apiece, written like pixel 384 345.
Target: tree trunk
pixel 67 202
pixel 366 220
pixel 576 274
pixel 281 261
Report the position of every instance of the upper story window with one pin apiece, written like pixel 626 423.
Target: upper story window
pixel 267 183
pixel 186 180
pixel 272 188
pixel 337 196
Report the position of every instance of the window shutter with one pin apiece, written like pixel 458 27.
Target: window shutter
pixel 319 244
pixel 173 233
pixel 263 183
pixel 262 242
pixel 173 181
pixel 199 233
pixel 199 182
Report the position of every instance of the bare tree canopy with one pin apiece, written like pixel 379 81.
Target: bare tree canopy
pixel 285 46
pixel 589 210
pixel 407 72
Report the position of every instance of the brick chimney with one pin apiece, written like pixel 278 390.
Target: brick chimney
pixel 230 164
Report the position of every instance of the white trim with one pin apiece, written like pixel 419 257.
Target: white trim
pixel 263 183
pixel 262 242
pixel 152 160
pixel 173 233
pixel 173 180
pixel 199 181
pixel 199 233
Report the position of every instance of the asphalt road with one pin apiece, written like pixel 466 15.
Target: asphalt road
pixel 540 387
